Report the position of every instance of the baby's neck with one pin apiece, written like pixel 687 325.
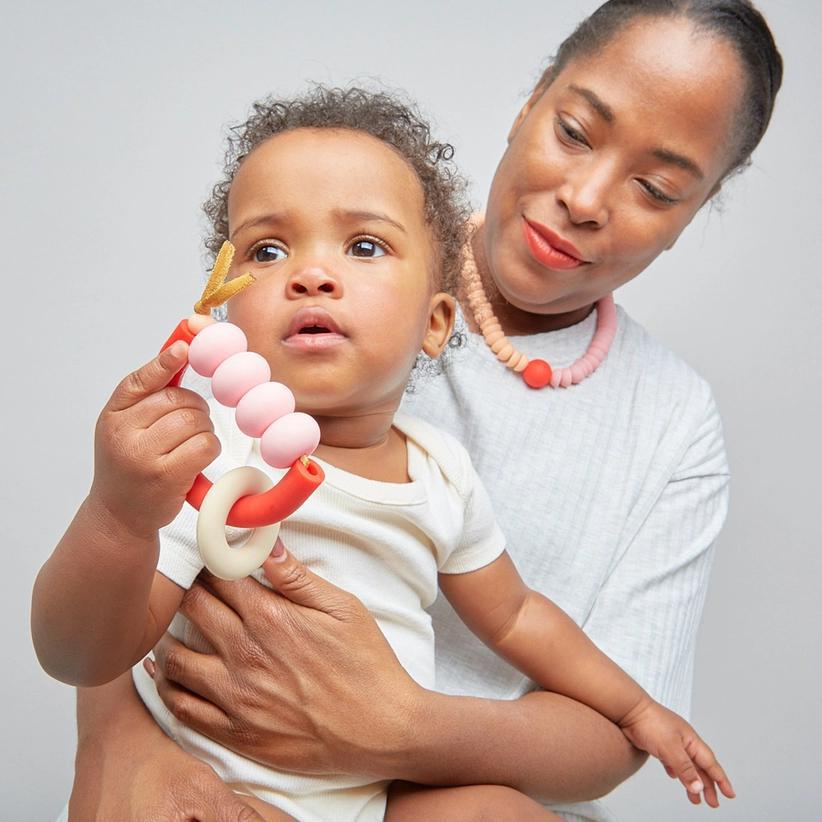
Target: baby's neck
pixel 366 445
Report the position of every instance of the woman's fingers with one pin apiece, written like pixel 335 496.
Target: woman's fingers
pixel 290 578
pixel 215 615
pixel 243 598
pixel 176 665
pixel 189 703
pixel 293 584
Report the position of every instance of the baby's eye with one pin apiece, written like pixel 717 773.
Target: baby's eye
pixel 366 248
pixel 269 253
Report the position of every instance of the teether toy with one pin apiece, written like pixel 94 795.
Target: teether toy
pixel 245 497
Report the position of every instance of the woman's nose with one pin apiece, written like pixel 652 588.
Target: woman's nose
pixel 312 281
pixel 586 194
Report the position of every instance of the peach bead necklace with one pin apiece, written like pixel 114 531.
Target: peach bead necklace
pixel 537 373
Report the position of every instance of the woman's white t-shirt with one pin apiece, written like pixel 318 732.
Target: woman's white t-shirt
pixel 610 494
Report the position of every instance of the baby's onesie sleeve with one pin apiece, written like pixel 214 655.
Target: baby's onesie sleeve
pixel 481 540
pixel 179 557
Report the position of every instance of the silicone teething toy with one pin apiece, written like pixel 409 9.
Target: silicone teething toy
pixel 245 497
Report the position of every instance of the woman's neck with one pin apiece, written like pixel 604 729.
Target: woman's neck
pixel 514 321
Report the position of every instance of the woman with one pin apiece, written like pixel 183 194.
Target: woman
pixel 611 492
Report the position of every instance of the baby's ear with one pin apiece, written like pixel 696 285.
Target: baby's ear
pixel 440 324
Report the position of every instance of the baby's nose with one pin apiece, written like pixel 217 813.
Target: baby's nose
pixel 311 281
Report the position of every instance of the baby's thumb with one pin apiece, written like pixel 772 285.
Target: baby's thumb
pixel 291 579
pixel 153 376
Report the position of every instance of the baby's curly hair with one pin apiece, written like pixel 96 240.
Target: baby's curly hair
pixel 382 115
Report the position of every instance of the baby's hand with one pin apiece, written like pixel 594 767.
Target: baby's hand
pixel 669 738
pixel 150 443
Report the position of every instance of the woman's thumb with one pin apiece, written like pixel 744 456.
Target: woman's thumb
pixel 290 578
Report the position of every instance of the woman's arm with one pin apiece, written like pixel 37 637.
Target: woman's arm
pixel 127 769
pixel 304 680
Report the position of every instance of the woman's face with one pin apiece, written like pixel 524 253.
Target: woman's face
pixel 608 164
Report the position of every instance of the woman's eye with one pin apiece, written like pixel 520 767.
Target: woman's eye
pixel 366 248
pixel 269 253
pixel 659 196
pixel 570 133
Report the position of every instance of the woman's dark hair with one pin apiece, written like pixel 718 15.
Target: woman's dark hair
pixel 382 115
pixel 735 21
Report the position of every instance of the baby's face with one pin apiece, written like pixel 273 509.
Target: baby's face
pixel 331 224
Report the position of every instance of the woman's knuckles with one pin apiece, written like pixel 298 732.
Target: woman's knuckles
pixel 293 578
pixel 172 662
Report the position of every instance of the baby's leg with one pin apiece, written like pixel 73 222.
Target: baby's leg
pixel 468 803
pixel 268 812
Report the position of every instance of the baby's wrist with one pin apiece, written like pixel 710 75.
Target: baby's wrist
pixel 642 706
pixel 114 523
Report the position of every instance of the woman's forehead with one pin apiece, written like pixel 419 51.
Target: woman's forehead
pixel 678 83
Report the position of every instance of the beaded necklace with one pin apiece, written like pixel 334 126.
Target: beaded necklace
pixel 537 373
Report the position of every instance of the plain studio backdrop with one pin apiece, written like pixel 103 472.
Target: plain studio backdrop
pixel 112 133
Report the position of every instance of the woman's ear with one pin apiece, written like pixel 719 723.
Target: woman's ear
pixel 440 324
pixel 529 104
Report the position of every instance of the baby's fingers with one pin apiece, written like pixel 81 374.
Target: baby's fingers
pixel 676 758
pixel 706 761
pixel 149 378
pixel 709 793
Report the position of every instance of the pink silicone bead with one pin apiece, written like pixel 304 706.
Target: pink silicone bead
pixel 565 380
pixel 214 344
pixel 289 438
pixel 577 372
pixel 237 375
pixel 261 406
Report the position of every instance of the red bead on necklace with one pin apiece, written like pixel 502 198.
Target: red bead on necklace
pixel 538 373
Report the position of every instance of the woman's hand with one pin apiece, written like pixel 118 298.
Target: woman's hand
pixel 301 677
pixel 127 769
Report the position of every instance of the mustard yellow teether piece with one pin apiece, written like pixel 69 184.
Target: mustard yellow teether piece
pixel 217 290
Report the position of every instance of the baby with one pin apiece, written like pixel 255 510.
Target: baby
pixel 349 218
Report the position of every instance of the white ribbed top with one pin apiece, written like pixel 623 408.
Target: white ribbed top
pixel 610 494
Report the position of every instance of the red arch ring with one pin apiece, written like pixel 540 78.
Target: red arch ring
pixel 255 510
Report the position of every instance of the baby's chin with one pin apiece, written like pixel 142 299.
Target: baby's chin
pixel 336 406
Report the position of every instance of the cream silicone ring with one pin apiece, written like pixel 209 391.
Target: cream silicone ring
pixel 220 558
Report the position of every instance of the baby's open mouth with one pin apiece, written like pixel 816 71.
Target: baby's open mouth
pixel 313 329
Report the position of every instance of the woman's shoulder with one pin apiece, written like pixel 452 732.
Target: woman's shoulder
pixel 652 368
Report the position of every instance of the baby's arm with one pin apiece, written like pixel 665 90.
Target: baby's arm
pixel 98 604
pixel 543 642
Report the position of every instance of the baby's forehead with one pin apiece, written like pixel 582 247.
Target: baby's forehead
pixel 334 151
pixel 324 168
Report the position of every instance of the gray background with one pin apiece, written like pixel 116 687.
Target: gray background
pixel 111 135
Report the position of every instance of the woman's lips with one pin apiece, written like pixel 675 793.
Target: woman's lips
pixel 550 249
